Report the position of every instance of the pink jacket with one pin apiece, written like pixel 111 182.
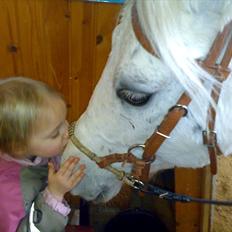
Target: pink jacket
pixel 23 182
pixel 12 208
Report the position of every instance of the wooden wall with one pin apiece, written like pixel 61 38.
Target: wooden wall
pixel 66 43
pixel 62 42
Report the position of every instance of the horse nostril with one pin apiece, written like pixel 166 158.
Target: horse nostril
pixel 99 197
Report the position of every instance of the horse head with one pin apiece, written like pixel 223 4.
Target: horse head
pixel 141 83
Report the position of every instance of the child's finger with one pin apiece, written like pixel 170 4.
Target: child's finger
pixel 77 177
pixel 68 166
pixel 71 171
pixel 82 167
pixel 51 169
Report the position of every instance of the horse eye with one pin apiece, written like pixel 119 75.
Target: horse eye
pixel 132 97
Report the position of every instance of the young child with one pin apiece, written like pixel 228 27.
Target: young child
pixel 33 132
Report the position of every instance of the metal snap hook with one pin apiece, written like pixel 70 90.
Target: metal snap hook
pixel 133 182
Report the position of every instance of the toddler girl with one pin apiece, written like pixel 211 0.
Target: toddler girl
pixel 33 132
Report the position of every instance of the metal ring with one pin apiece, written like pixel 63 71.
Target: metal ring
pixel 151 160
pixel 181 107
pixel 141 146
pixel 135 146
pixel 209 136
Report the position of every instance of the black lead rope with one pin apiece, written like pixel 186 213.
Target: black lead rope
pixel 168 195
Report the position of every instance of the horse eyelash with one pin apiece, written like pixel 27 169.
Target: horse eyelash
pixel 133 98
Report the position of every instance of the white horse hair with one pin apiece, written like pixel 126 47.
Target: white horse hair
pixel 181 31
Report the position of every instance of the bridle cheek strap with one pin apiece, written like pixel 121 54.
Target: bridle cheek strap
pixel 219 70
pixel 139 33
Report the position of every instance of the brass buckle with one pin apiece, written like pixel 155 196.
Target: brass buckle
pixel 209 138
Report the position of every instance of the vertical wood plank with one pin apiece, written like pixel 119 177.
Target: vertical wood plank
pixel 76 9
pixel 43 39
pixel 187 214
pixel 81 56
pixel 8 40
pixel 104 26
pixel 206 192
pixel 88 54
pixel 192 217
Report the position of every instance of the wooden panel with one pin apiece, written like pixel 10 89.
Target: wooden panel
pixel 82 56
pixel 7 39
pixel 90 39
pixel 64 43
pixel 39 31
pixel 43 41
pixel 104 27
pixel 193 217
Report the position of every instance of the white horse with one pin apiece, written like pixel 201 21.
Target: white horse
pixel 137 89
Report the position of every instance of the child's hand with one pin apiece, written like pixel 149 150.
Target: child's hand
pixel 63 180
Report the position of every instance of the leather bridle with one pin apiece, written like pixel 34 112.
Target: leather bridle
pixel 141 167
pixel 219 71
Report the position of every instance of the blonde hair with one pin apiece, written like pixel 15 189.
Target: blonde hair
pixel 21 100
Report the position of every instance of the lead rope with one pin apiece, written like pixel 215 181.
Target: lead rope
pixel 168 195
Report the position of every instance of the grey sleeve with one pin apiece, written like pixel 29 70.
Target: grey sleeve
pixel 44 218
